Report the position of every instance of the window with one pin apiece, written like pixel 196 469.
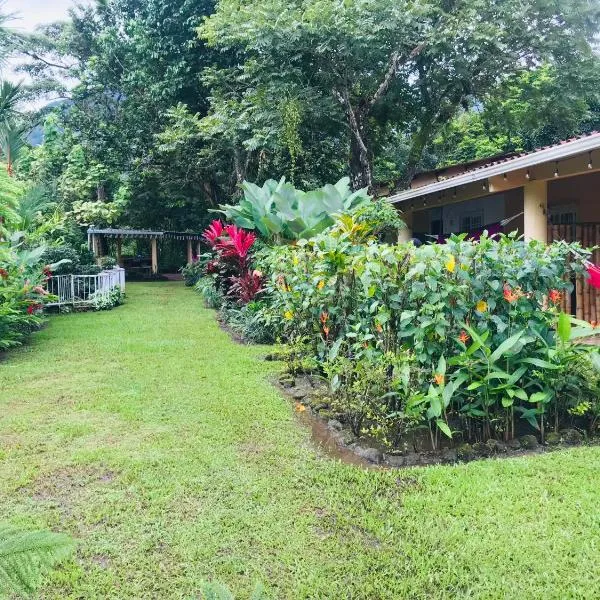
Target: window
pixel 471 221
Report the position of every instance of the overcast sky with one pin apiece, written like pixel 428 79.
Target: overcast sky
pixel 30 13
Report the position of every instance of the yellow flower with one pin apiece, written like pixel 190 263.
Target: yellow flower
pixel 288 314
pixel 295 260
pixel 451 263
pixel 439 379
pixel 481 306
pixel 321 284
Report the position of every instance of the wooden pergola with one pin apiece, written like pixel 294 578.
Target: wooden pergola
pixel 96 235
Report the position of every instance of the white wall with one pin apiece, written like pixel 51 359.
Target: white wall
pixel 493 208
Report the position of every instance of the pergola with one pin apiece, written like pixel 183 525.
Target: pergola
pixel 96 235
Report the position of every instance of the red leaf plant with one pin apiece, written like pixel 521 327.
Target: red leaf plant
pixel 236 244
pixel 247 287
pixel 213 232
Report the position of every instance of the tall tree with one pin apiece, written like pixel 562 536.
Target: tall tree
pixel 398 63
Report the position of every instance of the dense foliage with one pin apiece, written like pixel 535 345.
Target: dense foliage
pixel 163 108
pixel 463 338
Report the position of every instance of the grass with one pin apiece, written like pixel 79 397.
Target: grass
pixel 158 443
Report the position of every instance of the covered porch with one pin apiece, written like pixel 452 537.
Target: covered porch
pixel 97 239
pixel 549 194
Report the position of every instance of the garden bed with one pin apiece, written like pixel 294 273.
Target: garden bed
pixel 335 437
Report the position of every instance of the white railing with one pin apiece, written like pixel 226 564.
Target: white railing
pixel 84 290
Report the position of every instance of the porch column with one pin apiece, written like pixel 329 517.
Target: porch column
pixel 154 245
pixel 406 234
pixel 190 252
pixel 120 251
pixel 535 208
pixel 198 249
pixel 97 247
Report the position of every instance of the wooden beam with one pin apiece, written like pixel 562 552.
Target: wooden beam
pixel 119 251
pixel 190 252
pixel 154 245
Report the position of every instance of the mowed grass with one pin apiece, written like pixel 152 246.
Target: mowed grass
pixel 158 443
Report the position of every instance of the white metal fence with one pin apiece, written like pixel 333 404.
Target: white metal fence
pixel 84 290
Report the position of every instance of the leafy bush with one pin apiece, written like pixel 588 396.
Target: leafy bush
pixel 108 301
pixel 278 211
pixel 476 317
pixel 192 272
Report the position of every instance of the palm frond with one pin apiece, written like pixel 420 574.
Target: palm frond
pixel 26 555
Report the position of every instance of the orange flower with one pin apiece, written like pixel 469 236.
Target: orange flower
pixel 555 296
pixel 324 317
pixel 439 379
pixel 300 407
pixel 464 337
pixel 509 295
pixel 326 331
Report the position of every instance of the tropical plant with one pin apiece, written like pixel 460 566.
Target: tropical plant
pixel 25 556
pixel 280 212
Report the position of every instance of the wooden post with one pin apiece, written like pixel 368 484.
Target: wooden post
pixel 535 208
pixel 120 251
pixel 154 244
pixel 97 247
pixel 406 234
pixel 198 249
pixel 190 252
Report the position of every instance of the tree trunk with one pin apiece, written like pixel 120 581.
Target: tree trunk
pixel 361 175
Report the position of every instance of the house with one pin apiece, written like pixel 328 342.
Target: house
pixel 549 194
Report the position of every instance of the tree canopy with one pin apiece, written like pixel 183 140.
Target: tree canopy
pixel 163 108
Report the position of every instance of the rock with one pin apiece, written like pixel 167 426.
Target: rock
pixel 496 446
pixel 513 444
pixel 571 437
pixel 482 449
pixel 347 438
pixel 287 380
pixel 449 456
pixel 412 459
pixel 394 460
pixel 371 454
pixel 299 392
pixel 553 438
pixel 465 452
pixel 335 425
pixel 529 442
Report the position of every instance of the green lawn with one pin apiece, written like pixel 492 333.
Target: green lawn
pixel 158 443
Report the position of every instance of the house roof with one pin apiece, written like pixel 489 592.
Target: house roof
pixel 145 233
pixel 502 165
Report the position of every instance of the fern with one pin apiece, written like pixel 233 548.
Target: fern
pixel 26 555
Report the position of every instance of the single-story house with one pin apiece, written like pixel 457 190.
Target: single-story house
pixel 549 194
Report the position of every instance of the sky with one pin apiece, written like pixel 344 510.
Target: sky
pixel 30 13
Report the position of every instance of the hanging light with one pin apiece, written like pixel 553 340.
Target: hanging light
pixel 454 193
pixel 556 169
pixel 528 175
pixel 505 176
pixel 590 165
pixel 484 186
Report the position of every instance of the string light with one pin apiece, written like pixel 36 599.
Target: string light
pixel 556 169
pixel 484 186
pixel 590 165
pixel 527 175
pixel 505 176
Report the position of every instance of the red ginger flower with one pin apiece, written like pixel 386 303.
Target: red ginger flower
pixel 213 232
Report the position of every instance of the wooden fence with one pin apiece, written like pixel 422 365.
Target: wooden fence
pixel 584 302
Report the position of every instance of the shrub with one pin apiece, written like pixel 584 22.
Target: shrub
pixel 479 309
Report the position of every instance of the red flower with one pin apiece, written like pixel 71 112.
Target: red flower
pixel 464 337
pixel 32 308
pixel 47 271
pixel 555 296
pixel 3 273
pixel 236 245
pixel 213 232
